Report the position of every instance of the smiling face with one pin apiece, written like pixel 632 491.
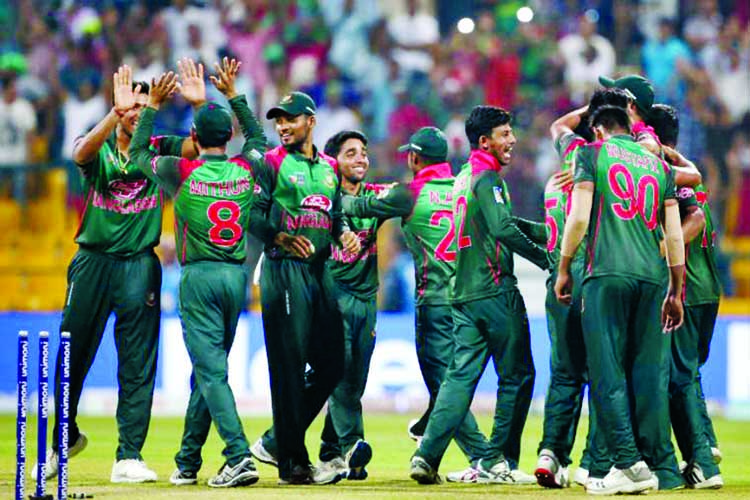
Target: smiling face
pixel 294 131
pixel 353 160
pixel 499 143
pixel 129 120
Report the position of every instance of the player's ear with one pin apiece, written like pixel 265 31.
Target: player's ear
pixel 484 143
pixel 311 121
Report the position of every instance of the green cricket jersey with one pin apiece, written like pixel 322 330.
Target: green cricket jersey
pixel 212 194
pixel 557 200
pixel 486 233
pixel 298 196
pixel 358 273
pixel 630 187
pixel 122 213
pixel 702 285
pixel 425 205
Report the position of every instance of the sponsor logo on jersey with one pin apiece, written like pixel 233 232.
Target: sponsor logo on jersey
pixel 297 179
pixel 316 202
pixel 126 190
pixel 498 192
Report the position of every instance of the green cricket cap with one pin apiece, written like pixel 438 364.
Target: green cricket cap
pixel 427 141
pixel 294 104
pixel 642 90
pixel 213 125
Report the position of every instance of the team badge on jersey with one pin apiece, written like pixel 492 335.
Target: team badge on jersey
pixel 329 181
pixel 297 179
pixel 498 192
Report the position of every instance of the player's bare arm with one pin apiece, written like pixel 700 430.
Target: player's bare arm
pixel 672 312
pixel 226 74
pixel 192 86
pixel 566 123
pixel 693 223
pixel 685 171
pixel 88 146
pixel 575 229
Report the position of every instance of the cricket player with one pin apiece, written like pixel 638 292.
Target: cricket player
pixel 622 194
pixel 569 377
pixel 212 196
pixel 116 270
pixel 692 426
pixel 425 205
pixel 297 214
pixel 489 315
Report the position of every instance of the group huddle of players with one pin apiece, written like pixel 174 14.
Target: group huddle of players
pixel 622 201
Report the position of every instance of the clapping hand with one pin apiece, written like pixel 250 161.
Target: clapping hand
pixel 226 73
pixel 192 85
pixel 162 89
pixel 123 92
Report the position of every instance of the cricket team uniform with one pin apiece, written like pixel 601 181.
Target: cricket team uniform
pixel 489 315
pixel 562 408
pixel 301 318
pixel 623 288
pixel 356 280
pixel 116 270
pixel 690 345
pixel 425 206
pixel 213 195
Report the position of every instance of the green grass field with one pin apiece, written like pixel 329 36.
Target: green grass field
pixel 389 469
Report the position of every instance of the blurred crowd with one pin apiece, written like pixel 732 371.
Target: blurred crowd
pixel 389 67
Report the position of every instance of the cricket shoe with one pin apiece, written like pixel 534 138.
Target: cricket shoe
pixel 468 475
pixel 242 474
pixel 696 479
pixel 326 475
pixel 635 479
pixel 499 473
pixel 522 478
pixel 261 454
pixel 335 466
pixel 548 471
pixel 183 478
pixel 53 460
pixel 299 475
pixel 581 476
pixel 131 470
pixel 413 435
pixel 422 472
pixel 358 456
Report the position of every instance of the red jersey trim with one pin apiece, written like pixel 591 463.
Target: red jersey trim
pixel 574 144
pixel 427 174
pixel 640 128
pixel 242 162
pixel 187 167
pixel 275 157
pixel 331 161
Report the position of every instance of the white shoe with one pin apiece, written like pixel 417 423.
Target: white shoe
pixel 131 470
pixel 261 454
pixel 335 466
pixel 682 466
pixel 499 473
pixel 695 478
pixel 635 479
pixel 548 471
pixel 180 478
pixel 521 478
pixel 581 476
pixel 243 473
pixel 468 475
pixel 52 461
pixel 327 475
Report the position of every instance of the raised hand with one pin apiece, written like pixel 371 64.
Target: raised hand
pixel 124 94
pixel 162 89
pixel 192 85
pixel 226 73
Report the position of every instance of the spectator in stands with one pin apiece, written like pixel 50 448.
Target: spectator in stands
pixel 17 126
pixel 666 63
pixel 703 26
pixel 206 26
pixel 585 56
pixel 414 33
pixel 738 163
pixel 333 116
pixel 349 37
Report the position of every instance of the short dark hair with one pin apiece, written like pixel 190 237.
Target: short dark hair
pixel 145 87
pixel 610 117
pixel 666 123
pixel 334 143
pixel 612 96
pixel 482 120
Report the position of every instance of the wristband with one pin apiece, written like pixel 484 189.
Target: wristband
pixel 118 112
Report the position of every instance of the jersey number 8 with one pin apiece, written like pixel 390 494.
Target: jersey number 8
pixel 224 215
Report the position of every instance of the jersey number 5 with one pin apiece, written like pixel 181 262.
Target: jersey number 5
pixel 224 215
pixel 445 249
pixel 634 200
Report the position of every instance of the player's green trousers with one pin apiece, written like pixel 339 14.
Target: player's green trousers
pixel 212 296
pixel 97 286
pixel 435 343
pixel 495 327
pixel 628 361
pixel 689 351
pixel 569 377
pixel 343 423
pixel 302 327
